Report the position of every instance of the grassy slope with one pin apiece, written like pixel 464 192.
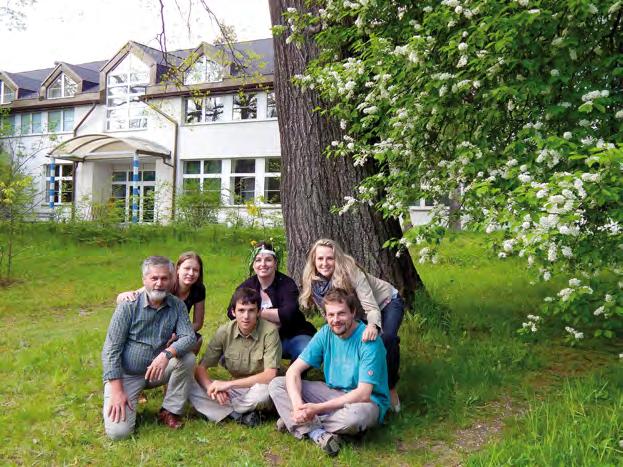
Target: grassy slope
pixel 52 325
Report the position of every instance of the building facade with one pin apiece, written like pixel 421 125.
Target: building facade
pixel 146 128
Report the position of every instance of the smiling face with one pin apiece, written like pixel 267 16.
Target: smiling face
pixel 265 266
pixel 324 260
pixel 246 315
pixel 188 272
pixel 340 319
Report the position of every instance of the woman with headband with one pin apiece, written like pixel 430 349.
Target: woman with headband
pixel 280 303
pixel 328 266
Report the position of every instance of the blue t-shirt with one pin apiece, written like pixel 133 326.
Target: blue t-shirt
pixel 347 362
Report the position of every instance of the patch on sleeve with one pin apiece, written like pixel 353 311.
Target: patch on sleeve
pixel 370 372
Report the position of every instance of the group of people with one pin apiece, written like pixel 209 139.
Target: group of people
pixel 151 342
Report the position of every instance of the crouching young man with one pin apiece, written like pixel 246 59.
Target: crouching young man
pixel 356 394
pixel 251 352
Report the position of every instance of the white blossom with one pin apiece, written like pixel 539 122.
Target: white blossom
pixel 462 61
pixel 575 282
pixel 574 333
pixel 567 135
pixel 619 115
pixel 599 311
pixel 552 253
pixel 554 72
pixel 566 251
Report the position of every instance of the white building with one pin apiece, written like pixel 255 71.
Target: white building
pixel 145 127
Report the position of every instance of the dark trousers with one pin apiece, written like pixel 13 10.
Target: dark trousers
pixel 391 317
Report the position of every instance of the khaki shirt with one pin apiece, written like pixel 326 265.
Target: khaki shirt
pixel 244 356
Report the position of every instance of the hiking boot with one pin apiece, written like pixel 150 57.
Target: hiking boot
pixel 170 419
pixel 281 426
pixel 251 419
pixel 329 443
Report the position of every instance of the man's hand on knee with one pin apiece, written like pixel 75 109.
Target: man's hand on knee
pixel 155 370
pixel 117 404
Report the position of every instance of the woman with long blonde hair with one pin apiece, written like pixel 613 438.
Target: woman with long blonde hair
pixel 328 266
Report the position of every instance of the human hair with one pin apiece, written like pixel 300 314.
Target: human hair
pixel 340 296
pixel 183 257
pixel 257 248
pixel 157 261
pixel 345 267
pixel 246 296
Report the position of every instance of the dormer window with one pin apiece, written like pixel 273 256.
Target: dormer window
pixel 63 86
pixel 7 95
pixel 204 70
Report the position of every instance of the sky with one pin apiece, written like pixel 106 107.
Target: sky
pixel 79 31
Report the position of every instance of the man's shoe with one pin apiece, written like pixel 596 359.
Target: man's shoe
pixel 281 426
pixel 170 419
pixel 251 419
pixel 329 443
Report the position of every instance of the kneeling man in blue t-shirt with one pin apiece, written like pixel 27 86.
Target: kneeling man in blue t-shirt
pixel 355 396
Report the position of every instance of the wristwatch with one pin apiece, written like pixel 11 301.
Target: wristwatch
pixel 168 354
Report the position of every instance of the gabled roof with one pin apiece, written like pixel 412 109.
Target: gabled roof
pixel 84 77
pixel 256 56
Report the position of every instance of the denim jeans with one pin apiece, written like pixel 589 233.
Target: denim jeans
pixel 391 317
pixel 293 346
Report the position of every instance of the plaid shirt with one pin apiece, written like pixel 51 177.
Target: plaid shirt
pixel 138 333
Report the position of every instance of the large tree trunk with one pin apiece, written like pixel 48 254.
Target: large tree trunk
pixel 311 184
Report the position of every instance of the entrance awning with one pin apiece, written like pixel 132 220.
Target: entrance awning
pixel 106 147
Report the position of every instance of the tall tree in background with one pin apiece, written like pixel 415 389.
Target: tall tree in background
pixel 312 184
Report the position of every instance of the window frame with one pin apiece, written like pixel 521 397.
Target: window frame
pixel 133 78
pixel 202 175
pixel 238 109
pixel 210 72
pixel 61 180
pixel 62 120
pixel 3 93
pixel 64 82
pixel 203 112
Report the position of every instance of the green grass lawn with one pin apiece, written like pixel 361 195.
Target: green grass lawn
pixel 473 391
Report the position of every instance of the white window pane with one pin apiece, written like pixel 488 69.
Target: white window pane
pixel 68 119
pixel 36 122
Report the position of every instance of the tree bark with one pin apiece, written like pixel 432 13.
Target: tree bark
pixel 311 183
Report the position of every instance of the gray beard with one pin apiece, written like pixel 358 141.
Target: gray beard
pixel 156 295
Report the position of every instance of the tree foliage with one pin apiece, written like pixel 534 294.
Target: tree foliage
pixel 514 110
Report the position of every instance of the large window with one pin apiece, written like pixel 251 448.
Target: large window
pixel 203 176
pixel 7 95
pixel 31 123
pixel 63 183
pixel 204 110
pixel 242 179
pixel 122 193
pixel 124 87
pixel 245 107
pixel 63 86
pixel 204 70
pixel 60 120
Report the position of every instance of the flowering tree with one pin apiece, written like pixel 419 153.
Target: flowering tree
pixel 512 110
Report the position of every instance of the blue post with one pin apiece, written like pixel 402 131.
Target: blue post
pixel 52 180
pixel 135 164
